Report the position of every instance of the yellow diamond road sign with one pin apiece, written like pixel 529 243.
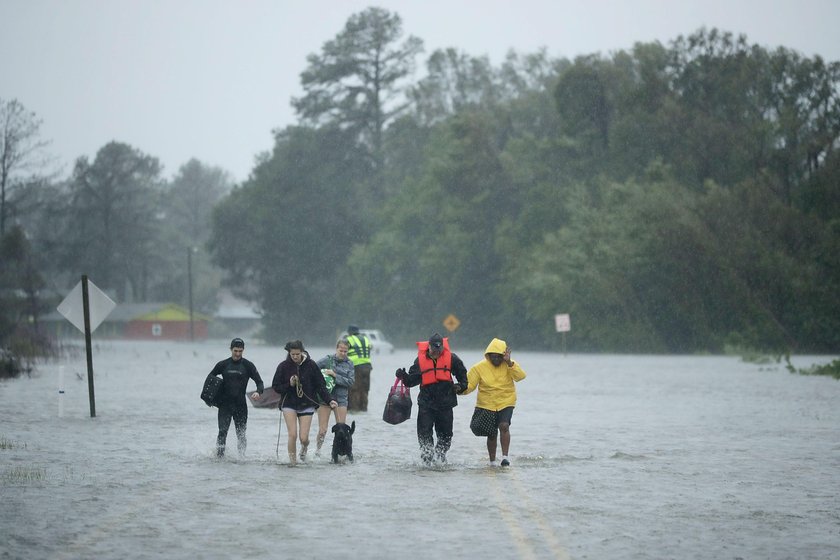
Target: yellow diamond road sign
pixel 451 323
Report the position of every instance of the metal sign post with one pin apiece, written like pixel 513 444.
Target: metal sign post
pixel 190 251
pixel 86 306
pixel 88 350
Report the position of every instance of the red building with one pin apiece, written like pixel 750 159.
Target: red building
pixel 161 322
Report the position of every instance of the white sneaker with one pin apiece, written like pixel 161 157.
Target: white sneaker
pixel 493 463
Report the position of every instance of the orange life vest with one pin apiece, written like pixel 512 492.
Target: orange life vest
pixel 433 371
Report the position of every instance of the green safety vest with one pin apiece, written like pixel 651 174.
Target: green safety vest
pixel 359 351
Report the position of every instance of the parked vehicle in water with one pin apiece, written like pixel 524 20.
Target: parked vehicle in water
pixel 377 340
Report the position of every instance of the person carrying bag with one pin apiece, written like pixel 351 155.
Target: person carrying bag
pixel 398 406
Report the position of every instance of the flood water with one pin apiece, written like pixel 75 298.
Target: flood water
pixel 612 457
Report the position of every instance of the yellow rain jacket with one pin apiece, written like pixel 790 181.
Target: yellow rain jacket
pixel 495 384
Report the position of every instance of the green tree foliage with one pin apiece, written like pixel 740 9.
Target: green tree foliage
pixel 671 198
pixel 711 265
pixel 20 283
pixel 662 196
pixel 781 263
pixel 711 106
pixel 820 195
pixel 113 221
pixel 455 82
pixel 21 303
pixel 283 236
pixel 436 242
pixel 650 262
pixel 190 197
pixel 20 152
pixel 356 81
pixel 582 101
pixel 187 205
pixel 655 267
pixel 802 104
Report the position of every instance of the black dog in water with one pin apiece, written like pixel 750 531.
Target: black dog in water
pixel 343 441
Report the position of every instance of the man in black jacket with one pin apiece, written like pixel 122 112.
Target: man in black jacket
pixel 433 370
pixel 235 372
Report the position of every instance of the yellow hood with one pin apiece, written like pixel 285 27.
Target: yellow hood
pixel 496 346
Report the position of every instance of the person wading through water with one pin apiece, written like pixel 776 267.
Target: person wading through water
pixel 300 384
pixel 434 369
pixel 359 353
pixel 235 373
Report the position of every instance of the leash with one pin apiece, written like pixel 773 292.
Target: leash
pixel 301 394
pixel 279 428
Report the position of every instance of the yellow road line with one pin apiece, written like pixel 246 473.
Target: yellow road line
pixel 548 533
pixel 524 544
pixel 511 522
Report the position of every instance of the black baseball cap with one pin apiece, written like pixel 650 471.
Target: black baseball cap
pixel 436 341
pixel 237 343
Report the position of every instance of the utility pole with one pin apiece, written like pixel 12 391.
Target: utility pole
pixel 190 289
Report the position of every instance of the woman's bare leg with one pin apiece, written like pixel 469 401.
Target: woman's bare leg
pixel 504 436
pixel 305 425
pixel 323 424
pixel 491 447
pixel 341 414
pixel 291 429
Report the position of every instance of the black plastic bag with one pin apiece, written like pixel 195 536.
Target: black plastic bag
pixel 211 389
pixel 398 405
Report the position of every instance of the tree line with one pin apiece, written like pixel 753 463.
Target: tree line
pixel 670 198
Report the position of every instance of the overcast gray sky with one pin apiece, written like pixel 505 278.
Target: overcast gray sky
pixel 210 79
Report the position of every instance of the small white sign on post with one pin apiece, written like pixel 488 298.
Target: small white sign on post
pixel 73 309
pixel 562 322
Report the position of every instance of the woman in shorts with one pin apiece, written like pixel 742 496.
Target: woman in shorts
pixel 338 368
pixel 300 384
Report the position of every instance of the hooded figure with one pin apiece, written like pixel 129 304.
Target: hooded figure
pixel 494 377
pixel 495 381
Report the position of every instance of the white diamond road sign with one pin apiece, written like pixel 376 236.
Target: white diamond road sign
pixel 73 308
